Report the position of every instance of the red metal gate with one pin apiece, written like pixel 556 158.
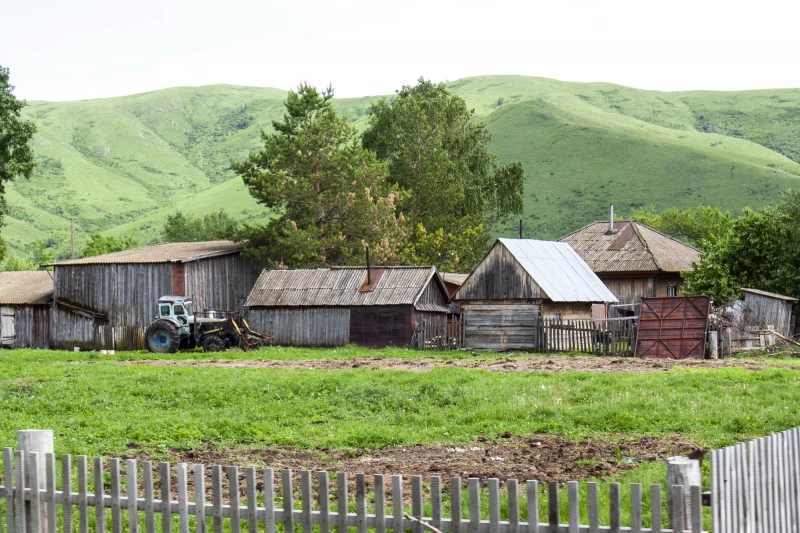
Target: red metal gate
pixel 673 328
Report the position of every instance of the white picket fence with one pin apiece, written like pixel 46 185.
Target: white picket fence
pixel 142 508
pixel 755 485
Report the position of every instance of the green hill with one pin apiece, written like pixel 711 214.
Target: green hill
pixel 120 165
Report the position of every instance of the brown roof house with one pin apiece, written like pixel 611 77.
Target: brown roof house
pixel 374 307
pixel 25 301
pixel 108 300
pixel 633 260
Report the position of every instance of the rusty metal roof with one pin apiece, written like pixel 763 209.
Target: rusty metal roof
pixel 454 278
pixel 559 271
pixel 171 252
pixel 339 287
pixel 631 247
pixel 26 288
pixel 770 295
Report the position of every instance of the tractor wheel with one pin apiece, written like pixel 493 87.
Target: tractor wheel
pixel 213 343
pixel 162 337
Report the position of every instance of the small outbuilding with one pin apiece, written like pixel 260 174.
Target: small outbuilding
pixel 374 307
pixel 453 281
pixel 25 301
pixel 762 309
pixel 633 260
pixel 107 301
pixel 519 282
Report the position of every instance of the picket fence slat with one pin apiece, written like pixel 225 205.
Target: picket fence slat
pixel 119 491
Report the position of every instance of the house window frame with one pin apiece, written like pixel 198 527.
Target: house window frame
pixel 672 291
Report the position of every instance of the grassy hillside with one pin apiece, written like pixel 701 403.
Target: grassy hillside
pixel 120 165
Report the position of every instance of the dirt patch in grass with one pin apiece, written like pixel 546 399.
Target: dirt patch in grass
pixel 542 457
pixel 501 363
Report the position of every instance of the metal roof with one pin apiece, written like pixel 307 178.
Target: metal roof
pixel 339 287
pixel 770 295
pixel 559 271
pixel 631 247
pixel 171 252
pixel 454 278
pixel 26 288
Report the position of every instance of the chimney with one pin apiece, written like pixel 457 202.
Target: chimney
pixel 520 228
pixel 369 276
pixel 611 226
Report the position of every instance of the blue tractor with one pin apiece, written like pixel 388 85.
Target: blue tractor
pixel 179 326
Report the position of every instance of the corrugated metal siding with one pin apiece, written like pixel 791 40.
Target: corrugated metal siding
pixel 317 326
pixel 32 325
pixel 498 277
pixel 501 325
pixel 70 330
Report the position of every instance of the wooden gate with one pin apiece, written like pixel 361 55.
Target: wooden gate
pixel 8 332
pixel 673 328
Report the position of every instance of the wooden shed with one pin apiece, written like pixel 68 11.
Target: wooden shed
pixel 108 300
pixel 343 305
pixel 520 281
pixel 25 301
pixel 633 260
pixel 762 308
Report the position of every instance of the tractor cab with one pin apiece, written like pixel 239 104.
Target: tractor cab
pixel 177 310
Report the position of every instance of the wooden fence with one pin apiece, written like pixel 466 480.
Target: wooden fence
pixel 613 336
pixel 150 506
pixel 438 332
pixel 755 485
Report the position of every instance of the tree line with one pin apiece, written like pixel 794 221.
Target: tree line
pixel 758 249
pixel 419 186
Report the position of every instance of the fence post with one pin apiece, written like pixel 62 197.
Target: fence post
pixel 41 442
pixel 685 472
pixel 713 339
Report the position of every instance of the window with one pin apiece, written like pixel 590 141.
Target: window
pixel 165 310
pixel 179 310
pixel 672 290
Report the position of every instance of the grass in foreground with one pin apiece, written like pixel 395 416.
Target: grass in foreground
pixel 97 406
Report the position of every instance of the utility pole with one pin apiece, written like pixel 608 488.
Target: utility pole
pixel 72 235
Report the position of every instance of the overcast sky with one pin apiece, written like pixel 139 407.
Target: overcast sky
pixel 77 49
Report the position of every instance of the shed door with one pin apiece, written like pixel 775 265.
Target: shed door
pixel 178 279
pixel 673 328
pixel 7 325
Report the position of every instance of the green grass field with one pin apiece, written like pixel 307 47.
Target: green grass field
pixel 120 165
pixel 98 406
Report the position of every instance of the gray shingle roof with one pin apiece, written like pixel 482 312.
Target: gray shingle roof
pixel 26 288
pixel 632 247
pixel 171 252
pixel 339 287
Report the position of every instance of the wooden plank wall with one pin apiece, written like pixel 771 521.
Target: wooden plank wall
pixel 755 485
pixel 32 326
pixel 142 497
pixel 762 311
pixel 126 293
pixel 501 325
pixel 303 326
pixel 220 283
pixel 69 330
pixel 499 277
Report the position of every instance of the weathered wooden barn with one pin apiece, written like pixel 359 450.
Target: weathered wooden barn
pixel 25 301
pixel 634 261
pixel 519 282
pixel 107 301
pixel 762 308
pixel 336 306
